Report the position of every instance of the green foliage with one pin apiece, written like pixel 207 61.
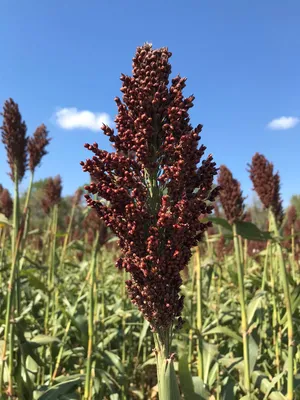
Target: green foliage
pixel 56 322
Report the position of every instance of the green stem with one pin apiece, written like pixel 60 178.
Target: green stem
pixel 199 313
pixel 88 383
pixel 274 312
pixel 293 250
pixel 287 297
pixel 9 328
pixel 244 325
pixel 65 337
pixel 29 191
pixel 265 273
pixel 167 382
pixel 246 255
pixel 66 239
pixel 190 357
pixel 2 256
pixel 103 289
pixel 51 271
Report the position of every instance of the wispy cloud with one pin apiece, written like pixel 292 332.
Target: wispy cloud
pixel 283 123
pixel 72 118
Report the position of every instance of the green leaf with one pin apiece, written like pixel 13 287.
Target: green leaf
pixel 253 352
pixel 273 383
pixel 114 396
pixel 42 340
pixel 115 360
pixel 262 382
pixel 228 390
pixel 109 338
pixel 200 388
pixel 143 334
pixel 235 363
pixel 223 330
pixel 220 221
pixel 192 387
pixel 63 388
pixel 35 282
pixel 168 387
pixel 209 353
pixel 295 300
pixel 251 232
pixel 31 368
pixel 4 221
pixel 255 306
pixel 109 381
pixel 150 361
pixel 186 381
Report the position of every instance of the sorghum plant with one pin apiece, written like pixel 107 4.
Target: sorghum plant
pixel 156 190
pixel 230 196
pixel 36 150
pixel 267 186
pixel 291 215
pixel 52 193
pixel 6 203
pixel 75 202
pixel 232 201
pixel 92 225
pixel 289 230
pixel 15 141
pixel 52 196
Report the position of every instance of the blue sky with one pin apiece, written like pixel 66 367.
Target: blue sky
pixel 241 59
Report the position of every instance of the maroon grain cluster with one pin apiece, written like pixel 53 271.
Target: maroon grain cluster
pixel 291 215
pixel 93 224
pixel 6 203
pixel 37 146
pixel 231 196
pixel 290 226
pixel 266 184
pixel 14 138
pixel 77 197
pixel 154 188
pixel 52 193
pixel 254 247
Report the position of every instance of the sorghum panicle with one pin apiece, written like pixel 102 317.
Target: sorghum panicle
pixel 231 196
pixel 37 146
pixel 77 197
pixel 254 247
pixel 14 138
pixel 6 203
pixel 266 184
pixel 291 215
pixel 153 185
pixel 92 224
pixel 290 223
pixel 52 193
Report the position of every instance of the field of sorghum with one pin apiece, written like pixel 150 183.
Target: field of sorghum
pixel 203 304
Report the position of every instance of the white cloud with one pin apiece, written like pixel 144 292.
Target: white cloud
pixel 72 118
pixel 283 123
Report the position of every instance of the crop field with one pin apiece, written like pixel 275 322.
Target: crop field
pixel 156 280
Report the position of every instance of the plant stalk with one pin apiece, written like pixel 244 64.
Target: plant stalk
pixel 288 304
pixel 199 313
pixel 244 325
pixel 88 384
pixel 167 382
